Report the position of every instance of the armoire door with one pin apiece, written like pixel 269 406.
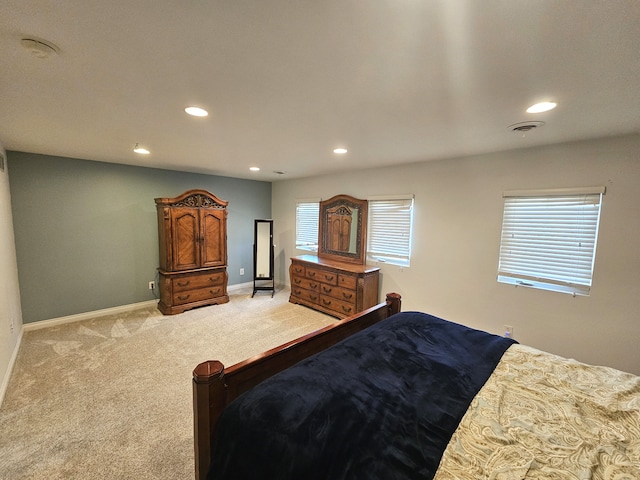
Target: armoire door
pixel 186 234
pixel 213 235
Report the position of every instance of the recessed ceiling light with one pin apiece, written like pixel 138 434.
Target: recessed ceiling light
pixel 196 111
pixel 541 107
pixel 254 169
pixel 141 150
pixel 340 151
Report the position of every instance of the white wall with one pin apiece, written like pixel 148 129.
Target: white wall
pixel 10 312
pixel 457 225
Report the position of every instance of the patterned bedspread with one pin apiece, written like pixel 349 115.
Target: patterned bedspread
pixel 540 416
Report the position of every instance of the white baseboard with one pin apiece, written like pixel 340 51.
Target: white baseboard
pixel 87 315
pixel 111 311
pixel 7 373
pixel 249 286
pixel 240 286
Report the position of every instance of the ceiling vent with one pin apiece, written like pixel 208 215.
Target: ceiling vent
pixel 39 48
pixel 524 127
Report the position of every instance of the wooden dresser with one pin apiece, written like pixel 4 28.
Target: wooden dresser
pixel 336 288
pixel 192 232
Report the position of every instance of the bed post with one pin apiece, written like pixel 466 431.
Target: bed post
pixel 208 401
pixel 394 302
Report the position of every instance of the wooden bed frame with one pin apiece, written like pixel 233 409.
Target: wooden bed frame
pixel 215 386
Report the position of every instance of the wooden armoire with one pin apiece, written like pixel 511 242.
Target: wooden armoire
pixel 192 231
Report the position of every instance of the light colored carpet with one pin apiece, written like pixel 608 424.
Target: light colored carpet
pixel 110 398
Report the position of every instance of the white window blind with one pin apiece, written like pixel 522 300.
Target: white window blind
pixel 307 216
pixel 549 239
pixel 389 235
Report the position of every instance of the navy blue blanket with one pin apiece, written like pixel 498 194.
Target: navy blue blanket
pixel 381 404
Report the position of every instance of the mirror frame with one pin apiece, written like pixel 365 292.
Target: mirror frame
pixel 361 231
pixel 263 245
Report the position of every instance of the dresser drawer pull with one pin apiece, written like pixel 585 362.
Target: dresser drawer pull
pixel 213 279
pixel 297 281
pixel 326 289
pixel 184 284
pixel 311 274
pixel 326 302
pixel 313 286
pixel 297 292
pixel 347 296
pixel 313 298
pixel 214 292
pixel 298 270
pixel 346 309
pixel 186 297
pixel 329 278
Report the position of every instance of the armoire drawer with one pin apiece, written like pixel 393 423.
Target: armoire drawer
pixel 196 281
pixel 185 290
pixel 180 298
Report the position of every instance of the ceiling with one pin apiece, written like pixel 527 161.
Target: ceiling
pixel 285 82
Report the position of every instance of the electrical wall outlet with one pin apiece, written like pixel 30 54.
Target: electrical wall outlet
pixel 508 331
pixel 152 285
pixel 242 271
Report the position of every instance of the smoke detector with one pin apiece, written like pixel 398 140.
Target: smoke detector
pixel 524 127
pixel 39 48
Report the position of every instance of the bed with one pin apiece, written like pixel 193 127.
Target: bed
pixel 386 395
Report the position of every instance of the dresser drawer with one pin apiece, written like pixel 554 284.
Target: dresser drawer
pixel 305 283
pixel 194 282
pixel 338 293
pixel 347 281
pixel 323 276
pixel 307 295
pixel 338 306
pixel 297 269
pixel 180 298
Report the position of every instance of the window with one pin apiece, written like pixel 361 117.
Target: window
pixel 307 213
pixel 549 238
pixel 389 231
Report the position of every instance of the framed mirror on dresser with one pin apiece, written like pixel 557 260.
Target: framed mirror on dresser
pixel 337 281
pixel 342 229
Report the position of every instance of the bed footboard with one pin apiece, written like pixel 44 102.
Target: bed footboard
pixel 214 386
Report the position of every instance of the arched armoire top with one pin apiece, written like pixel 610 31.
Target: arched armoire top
pixel 194 198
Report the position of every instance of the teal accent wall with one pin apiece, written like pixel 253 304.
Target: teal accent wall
pixel 86 232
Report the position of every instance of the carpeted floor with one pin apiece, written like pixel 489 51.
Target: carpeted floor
pixel 110 397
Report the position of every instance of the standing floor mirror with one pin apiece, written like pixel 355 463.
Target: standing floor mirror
pixel 263 251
